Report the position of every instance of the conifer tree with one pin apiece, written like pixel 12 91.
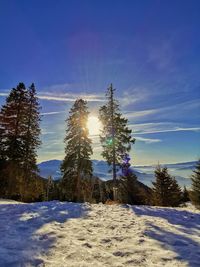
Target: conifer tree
pixel 128 188
pixel 166 191
pixel 2 145
pixel 19 121
pixel 185 195
pixel 3 181
pixel 115 136
pixel 32 131
pixel 49 189
pixel 76 166
pixel 13 124
pixel 195 188
pixel 19 137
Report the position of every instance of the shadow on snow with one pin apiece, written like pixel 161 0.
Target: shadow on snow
pixel 185 222
pixel 20 226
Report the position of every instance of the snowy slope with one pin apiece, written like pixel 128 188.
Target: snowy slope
pixel 60 234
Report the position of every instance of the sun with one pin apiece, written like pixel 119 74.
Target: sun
pixel 94 125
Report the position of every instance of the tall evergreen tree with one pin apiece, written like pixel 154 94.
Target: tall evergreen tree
pixel 13 124
pixel 19 137
pixel 115 136
pixel 166 191
pixel 20 130
pixel 76 166
pixel 32 131
pixel 195 188
pixel 128 183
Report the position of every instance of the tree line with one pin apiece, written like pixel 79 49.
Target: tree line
pixel 20 138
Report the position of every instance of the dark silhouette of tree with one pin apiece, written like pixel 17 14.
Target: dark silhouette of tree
pixel 76 166
pixel 115 136
pixel 32 131
pixel 166 191
pixel 185 195
pixel 195 188
pixel 13 124
pixel 19 139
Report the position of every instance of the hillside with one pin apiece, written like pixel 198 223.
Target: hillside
pixel 83 235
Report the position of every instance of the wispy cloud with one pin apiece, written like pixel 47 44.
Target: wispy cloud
pixel 160 127
pixel 52 113
pixel 47 132
pixel 66 97
pixel 175 109
pixel 133 95
pixel 141 113
pixel 148 140
pixel 3 94
pixel 70 97
pixel 177 129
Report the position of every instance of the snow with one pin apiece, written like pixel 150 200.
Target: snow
pixel 79 235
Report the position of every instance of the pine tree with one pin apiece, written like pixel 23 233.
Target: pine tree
pixel 176 193
pixel 115 137
pixel 2 145
pixel 49 189
pixel 32 132
pixel 19 138
pixel 166 191
pixel 195 188
pixel 76 166
pixel 3 181
pixel 128 188
pixel 185 195
pixel 13 124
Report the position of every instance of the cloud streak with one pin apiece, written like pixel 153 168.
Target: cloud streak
pixel 70 98
pixel 177 129
pixel 179 108
pixel 160 127
pixel 52 113
pixel 148 140
pixel 67 97
pixel 3 94
pixel 141 113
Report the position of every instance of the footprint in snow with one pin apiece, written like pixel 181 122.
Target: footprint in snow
pixel 105 240
pixel 81 239
pixel 141 240
pixel 119 238
pixel 61 236
pixel 87 245
pixel 122 254
pixel 135 262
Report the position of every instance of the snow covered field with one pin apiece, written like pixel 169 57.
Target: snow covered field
pixel 82 235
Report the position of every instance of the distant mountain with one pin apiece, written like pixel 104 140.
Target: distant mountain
pixel 145 174
pixel 50 167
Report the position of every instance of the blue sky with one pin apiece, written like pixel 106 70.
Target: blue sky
pixel 149 50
